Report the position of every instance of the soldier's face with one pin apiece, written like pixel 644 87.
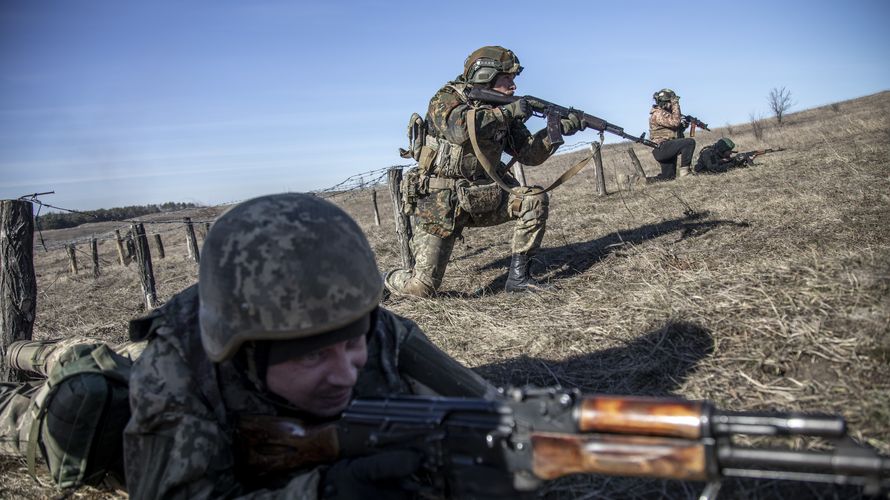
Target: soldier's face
pixel 504 84
pixel 321 382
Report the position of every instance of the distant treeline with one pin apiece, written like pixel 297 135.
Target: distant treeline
pixel 56 220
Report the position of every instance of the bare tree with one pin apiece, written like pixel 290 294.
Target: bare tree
pixel 780 102
pixel 757 125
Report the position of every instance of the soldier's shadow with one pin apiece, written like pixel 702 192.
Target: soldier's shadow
pixel 576 258
pixel 654 364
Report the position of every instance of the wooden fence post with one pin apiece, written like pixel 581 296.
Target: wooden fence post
pixel 94 253
pixel 18 282
pixel 124 260
pixel 72 258
pixel 403 222
pixel 597 149
pixel 160 245
pixel 146 273
pixel 191 240
pixel 374 203
pixel 636 163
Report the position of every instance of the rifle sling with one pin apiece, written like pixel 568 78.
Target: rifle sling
pixel 493 174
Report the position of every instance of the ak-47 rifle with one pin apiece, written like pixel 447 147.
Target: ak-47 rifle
pixel 747 158
pixel 695 122
pixel 554 113
pixel 533 435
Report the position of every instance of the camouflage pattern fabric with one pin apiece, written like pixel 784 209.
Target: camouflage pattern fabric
pixel 711 161
pixel 432 251
pixel 664 124
pixel 179 442
pixel 16 398
pixel 434 238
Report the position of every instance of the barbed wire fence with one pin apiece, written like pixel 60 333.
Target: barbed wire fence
pixel 353 186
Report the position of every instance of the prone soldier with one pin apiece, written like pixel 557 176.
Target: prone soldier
pixel 284 321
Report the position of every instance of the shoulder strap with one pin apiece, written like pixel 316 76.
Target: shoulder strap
pixel 492 172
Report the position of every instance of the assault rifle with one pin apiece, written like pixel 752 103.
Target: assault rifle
pixel 747 158
pixel 553 113
pixel 695 122
pixel 533 435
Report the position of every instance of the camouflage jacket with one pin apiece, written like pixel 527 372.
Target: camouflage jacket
pixel 180 442
pixel 664 125
pixel 710 161
pixel 447 119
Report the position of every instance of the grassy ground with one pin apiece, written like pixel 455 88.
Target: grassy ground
pixel 762 288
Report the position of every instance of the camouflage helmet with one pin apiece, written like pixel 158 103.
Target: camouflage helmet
pixel 665 95
pixel 484 64
pixel 283 267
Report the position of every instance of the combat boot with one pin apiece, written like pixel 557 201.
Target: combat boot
pixel 519 279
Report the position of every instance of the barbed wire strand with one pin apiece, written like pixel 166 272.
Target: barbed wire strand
pixel 350 187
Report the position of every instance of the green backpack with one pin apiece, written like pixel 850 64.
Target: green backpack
pixel 79 417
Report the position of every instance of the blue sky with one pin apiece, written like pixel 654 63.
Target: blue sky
pixel 113 103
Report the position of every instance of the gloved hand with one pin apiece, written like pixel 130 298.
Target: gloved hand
pixel 572 124
pixel 371 477
pixel 519 109
pixel 683 124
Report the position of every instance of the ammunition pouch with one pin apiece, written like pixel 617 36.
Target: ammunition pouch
pixel 413 187
pixel 478 199
pixel 445 157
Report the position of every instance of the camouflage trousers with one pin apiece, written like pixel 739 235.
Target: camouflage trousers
pixel 432 252
pixel 37 358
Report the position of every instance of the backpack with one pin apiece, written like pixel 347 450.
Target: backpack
pixel 79 415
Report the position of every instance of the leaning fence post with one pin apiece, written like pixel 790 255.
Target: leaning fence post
pixel 72 258
pixel 194 253
pixel 94 253
pixel 596 150
pixel 403 222
pixel 18 282
pixel 146 273
pixel 160 245
pixel 636 162
pixel 124 259
pixel 374 203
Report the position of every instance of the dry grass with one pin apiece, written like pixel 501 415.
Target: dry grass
pixel 763 288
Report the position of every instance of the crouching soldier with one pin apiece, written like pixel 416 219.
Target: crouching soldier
pixel 452 188
pixel 666 126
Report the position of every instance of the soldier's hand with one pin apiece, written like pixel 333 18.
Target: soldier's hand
pixel 519 109
pixel 571 124
pixel 372 477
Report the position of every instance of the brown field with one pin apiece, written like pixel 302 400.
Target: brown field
pixel 762 288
